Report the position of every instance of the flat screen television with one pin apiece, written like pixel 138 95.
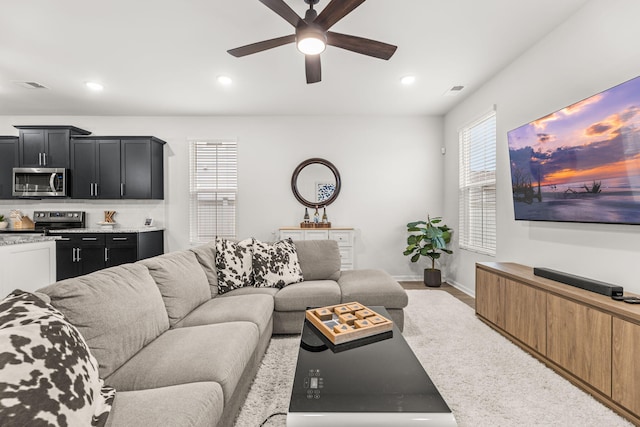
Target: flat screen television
pixel 580 163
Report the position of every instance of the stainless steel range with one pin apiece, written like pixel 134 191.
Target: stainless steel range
pixel 58 220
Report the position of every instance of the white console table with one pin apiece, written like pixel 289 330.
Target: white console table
pixel 345 237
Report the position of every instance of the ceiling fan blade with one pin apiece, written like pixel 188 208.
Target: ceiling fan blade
pixel 335 11
pixel 361 45
pixel 260 46
pixel 283 9
pixel 312 68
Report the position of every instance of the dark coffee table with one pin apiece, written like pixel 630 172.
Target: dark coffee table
pixel 380 383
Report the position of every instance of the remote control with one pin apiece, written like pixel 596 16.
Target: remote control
pixel 632 300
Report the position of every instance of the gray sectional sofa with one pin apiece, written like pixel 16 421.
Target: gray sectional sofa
pixel 178 353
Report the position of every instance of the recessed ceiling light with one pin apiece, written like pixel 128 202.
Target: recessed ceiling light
pixel 408 80
pixel 94 86
pixel 225 80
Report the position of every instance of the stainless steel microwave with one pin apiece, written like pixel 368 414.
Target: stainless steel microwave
pixel 39 182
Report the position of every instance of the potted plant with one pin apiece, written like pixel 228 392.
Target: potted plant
pixel 428 239
pixel 3 223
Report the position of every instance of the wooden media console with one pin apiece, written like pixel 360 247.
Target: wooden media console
pixel 590 339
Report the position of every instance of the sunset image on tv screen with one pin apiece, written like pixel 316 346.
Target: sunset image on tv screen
pixel 581 163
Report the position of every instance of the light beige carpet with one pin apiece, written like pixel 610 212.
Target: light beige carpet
pixel 485 379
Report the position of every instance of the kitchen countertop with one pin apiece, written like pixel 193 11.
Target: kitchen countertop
pixel 17 239
pixel 108 230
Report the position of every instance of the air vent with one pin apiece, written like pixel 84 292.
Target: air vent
pixel 455 90
pixel 30 85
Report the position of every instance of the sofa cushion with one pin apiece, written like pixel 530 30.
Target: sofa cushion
pixel 218 353
pixel 319 259
pixel 233 263
pixel 310 293
pixel 117 310
pixel 182 282
pixel 206 255
pixel 185 405
pixel 47 373
pixel 275 265
pixel 257 309
pixel 372 287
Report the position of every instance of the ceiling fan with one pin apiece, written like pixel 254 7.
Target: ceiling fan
pixel 312 35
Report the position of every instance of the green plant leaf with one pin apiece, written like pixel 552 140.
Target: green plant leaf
pixel 412 240
pixel 415 258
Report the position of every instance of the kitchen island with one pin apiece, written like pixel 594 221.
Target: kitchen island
pixel 27 262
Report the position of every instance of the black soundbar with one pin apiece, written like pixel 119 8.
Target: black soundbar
pixel 580 282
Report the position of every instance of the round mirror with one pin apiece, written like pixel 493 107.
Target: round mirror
pixel 315 182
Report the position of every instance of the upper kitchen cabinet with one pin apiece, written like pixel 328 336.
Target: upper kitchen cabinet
pixel 46 146
pixel 8 160
pixel 141 168
pixel 95 168
pixel 117 167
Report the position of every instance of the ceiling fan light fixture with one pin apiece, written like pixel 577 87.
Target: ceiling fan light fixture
pixel 311 41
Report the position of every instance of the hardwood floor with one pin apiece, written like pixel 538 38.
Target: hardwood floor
pixel 469 300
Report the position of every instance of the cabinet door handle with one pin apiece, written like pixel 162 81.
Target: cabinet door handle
pixel 120 238
pixel 64 239
pixel 91 189
pixel 95 193
pixel 39 159
pixel 44 158
pixel 122 189
pixel 89 239
pixel 73 254
pixel 106 254
pixel 78 257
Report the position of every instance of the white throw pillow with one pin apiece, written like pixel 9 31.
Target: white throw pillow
pixel 47 374
pixel 233 262
pixel 276 265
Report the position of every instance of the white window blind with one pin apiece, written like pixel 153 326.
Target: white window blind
pixel 477 185
pixel 213 190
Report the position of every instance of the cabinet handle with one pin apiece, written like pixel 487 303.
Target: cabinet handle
pixel 95 193
pixel 106 254
pixel 64 239
pixel 78 258
pixel 73 254
pixel 120 238
pixel 122 189
pixel 91 189
pixel 89 239
pixel 39 159
pixel 44 158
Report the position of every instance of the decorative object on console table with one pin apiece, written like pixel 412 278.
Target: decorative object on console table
pixel 306 219
pixel 430 240
pixel 325 219
pixel 3 223
pixel 316 216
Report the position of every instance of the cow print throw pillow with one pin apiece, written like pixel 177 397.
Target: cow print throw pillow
pixel 233 262
pixel 47 375
pixel 276 265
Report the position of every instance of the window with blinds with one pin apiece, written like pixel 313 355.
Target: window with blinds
pixel 477 185
pixel 213 190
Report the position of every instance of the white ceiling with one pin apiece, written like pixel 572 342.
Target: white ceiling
pixel 162 57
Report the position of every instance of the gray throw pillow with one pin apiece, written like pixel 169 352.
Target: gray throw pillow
pixel 275 265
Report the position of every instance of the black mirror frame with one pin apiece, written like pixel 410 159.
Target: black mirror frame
pixel 294 180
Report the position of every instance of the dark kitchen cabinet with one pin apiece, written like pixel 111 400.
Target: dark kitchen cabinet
pixel 95 168
pixel 80 253
pixel 45 146
pixel 117 167
pixel 8 160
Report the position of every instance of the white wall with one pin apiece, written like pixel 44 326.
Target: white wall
pixel 391 170
pixel 595 49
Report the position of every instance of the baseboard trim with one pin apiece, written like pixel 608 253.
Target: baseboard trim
pixel 408 278
pixel 466 290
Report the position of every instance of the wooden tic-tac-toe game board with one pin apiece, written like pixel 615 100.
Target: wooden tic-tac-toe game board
pixel 347 322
